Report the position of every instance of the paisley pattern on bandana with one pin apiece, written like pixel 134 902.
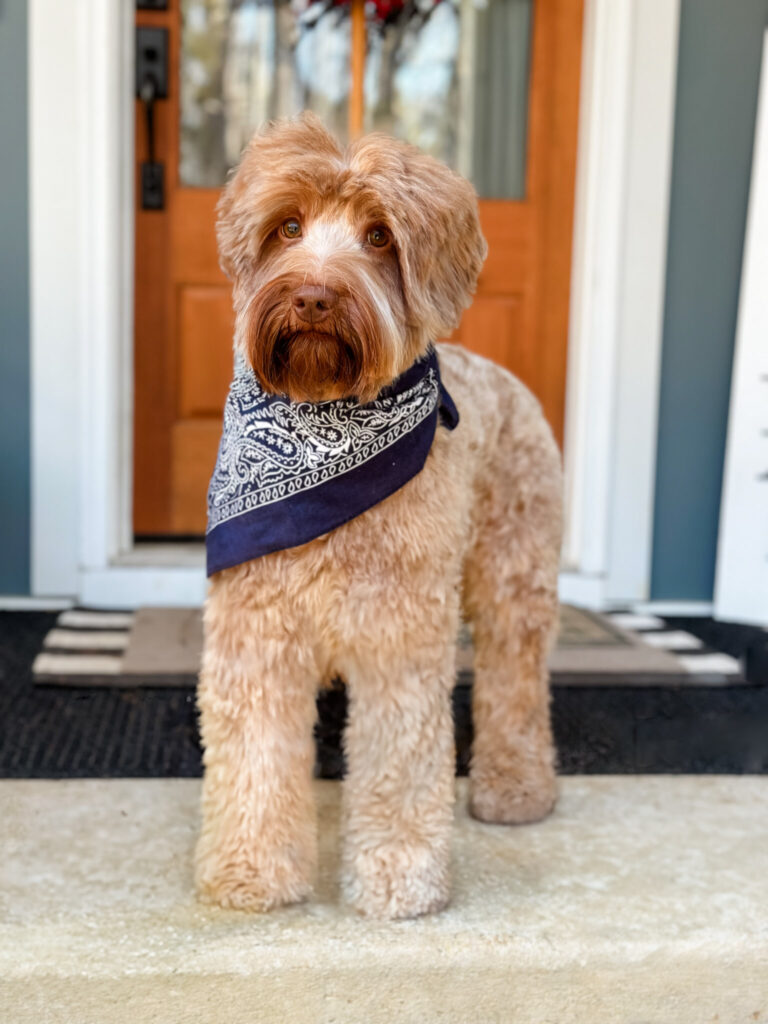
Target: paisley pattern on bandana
pixel 272 448
pixel 288 472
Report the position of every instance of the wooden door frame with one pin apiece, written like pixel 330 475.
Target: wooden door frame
pixel 81 147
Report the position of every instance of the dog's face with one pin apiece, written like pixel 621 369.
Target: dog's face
pixel 345 265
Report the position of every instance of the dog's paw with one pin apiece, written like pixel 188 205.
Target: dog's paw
pixel 248 887
pixel 397 880
pixel 505 800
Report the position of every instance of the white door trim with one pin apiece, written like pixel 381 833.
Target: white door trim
pixel 629 76
pixel 741 578
pixel 54 143
pixel 81 237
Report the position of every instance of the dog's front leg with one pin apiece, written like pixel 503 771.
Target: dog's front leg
pixel 258 846
pixel 399 791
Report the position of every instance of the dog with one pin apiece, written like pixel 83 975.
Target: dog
pixel 347 266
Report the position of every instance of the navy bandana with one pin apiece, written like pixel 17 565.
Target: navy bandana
pixel 288 472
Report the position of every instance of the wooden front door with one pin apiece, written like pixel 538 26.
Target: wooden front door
pixel 491 88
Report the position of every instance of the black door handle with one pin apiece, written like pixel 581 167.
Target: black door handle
pixel 148 95
pixel 152 173
pixel 151 85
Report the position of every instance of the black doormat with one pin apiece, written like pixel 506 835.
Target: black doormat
pixel 102 732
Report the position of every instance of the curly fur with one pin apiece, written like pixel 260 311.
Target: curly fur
pixel 379 600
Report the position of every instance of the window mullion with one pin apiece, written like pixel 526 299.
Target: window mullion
pixel 357 69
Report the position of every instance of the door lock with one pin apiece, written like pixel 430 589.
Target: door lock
pixel 151 85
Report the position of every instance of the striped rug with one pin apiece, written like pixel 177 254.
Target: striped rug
pixel 85 644
pixel 162 646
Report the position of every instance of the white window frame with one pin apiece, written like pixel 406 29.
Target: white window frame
pixel 81 240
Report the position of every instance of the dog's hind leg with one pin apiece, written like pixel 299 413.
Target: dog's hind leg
pixel 258 846
pixel 510 597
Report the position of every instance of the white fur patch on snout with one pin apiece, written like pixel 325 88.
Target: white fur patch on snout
pixel 325 239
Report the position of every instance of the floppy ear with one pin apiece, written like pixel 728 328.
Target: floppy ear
pixel 231 235
pixel 433 215
pixel 280 159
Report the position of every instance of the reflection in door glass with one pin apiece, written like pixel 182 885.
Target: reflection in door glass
pixel 452 77
pixel 246 61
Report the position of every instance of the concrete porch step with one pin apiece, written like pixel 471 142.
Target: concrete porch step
pixel 642 899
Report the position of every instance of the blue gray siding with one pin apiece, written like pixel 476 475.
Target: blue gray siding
pixel 717 85
pixel 14 302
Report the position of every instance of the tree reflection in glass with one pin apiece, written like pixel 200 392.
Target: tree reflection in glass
pixel 246 61
pixel 451 76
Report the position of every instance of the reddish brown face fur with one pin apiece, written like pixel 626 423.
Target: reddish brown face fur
pixel 345 265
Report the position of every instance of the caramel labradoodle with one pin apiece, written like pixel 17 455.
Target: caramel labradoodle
pixel 353 518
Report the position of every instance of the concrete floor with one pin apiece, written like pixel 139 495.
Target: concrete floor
pixel 641 900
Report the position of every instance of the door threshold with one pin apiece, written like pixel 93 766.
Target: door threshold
pixel 170 554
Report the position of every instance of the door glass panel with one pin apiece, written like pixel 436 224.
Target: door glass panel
pixel 452 77
pixel 246 61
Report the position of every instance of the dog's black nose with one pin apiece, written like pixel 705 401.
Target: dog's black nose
pixel 313 303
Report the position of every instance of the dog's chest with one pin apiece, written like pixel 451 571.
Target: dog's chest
pixel 413 541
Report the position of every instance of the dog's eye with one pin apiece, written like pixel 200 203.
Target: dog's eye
pixel 378 237
pixel 291 228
